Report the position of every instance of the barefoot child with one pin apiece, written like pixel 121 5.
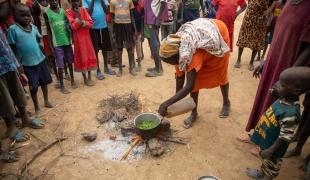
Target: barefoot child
pixel 84 54
pixel 24 39
pixel 59 36
pixel 276 127
pixel 124 30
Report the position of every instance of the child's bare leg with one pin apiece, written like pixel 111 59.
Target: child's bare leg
pixel 51 59
pixel 189 121
pixel 99 75
pixel 73 84
pixel 11 128
pixel 120 62
pixel 67 77
pixel 47 103
pixel 23 115
pixel 61 81
pixel 226 102
pixel 264 52
pixel 238 63
pixel 89 75
pixel 87 81
pixel 105 62
pixel 131 58
pixel 34 97
pixel 251 64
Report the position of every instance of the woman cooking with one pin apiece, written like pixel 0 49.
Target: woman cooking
pixel 200 53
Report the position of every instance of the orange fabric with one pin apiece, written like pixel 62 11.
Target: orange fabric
pixel 211 71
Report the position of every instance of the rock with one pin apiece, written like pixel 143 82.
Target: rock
pixel 156 148
pixel 89 136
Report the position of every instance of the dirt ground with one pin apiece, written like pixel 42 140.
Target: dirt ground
pixel 213 149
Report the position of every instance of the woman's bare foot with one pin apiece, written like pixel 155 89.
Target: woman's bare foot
pixel 255 151
pixel 188 122
pixel 245 138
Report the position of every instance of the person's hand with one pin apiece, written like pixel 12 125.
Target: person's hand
pixel 157 22
pixel 135 35
pixel 258 70
pixel 265 154
pixel 163 109
pixel 20 69
pixel 83 23
pixel 77 20
pixel 274 91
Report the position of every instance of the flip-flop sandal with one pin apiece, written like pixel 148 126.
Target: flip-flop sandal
pixel 9 157
pixel 188 122
pixel 245 138
pixel 237 65
pixel 100 76
pixel 251 67
pixel 254 173
pixel 20 137
pixel 36 124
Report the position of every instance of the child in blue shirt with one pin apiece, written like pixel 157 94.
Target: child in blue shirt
pixel 24 39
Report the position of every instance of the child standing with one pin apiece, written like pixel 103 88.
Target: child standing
pixel 84 54
pixel 227 12
pixel 276 127
pixel 124 30
pixel 24 39
pixel 59 36
pixel 138 14
pixel 37 10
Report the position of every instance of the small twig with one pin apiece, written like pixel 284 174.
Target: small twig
pixel 177 141
pixel 136 142
pixel 38 153
pixel 50 110
pixel 18 147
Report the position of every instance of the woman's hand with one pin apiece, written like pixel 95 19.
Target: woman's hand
pixel 258 70
pixel 163 109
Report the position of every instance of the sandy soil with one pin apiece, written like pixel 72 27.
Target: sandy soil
pixel 212 150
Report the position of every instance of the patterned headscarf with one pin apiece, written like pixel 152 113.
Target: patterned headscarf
pixel 203 34
pixel 169 46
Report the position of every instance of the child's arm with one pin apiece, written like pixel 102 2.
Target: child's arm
pixel 88 22
pixel 74 22
pixel 203 8
pixel 133 22
pixel 288 126
pixel 269 11
pixel 243 6
pixel 11 37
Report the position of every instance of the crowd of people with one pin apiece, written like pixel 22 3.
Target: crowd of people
pixel 45 37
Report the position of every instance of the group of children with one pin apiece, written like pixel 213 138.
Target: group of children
pixel 42 36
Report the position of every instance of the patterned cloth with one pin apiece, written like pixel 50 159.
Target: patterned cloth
pixel 203 34
pixel 279 121
pixel 8 61
pixel 271 168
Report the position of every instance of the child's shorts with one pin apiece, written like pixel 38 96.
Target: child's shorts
pixel 63 53
pixel 38 75
pixel 100 39
pixel 11 94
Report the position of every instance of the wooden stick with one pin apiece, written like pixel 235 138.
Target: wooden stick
pixel 136 142
pixel 38 153
pixel 37 138
pixel 174 141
